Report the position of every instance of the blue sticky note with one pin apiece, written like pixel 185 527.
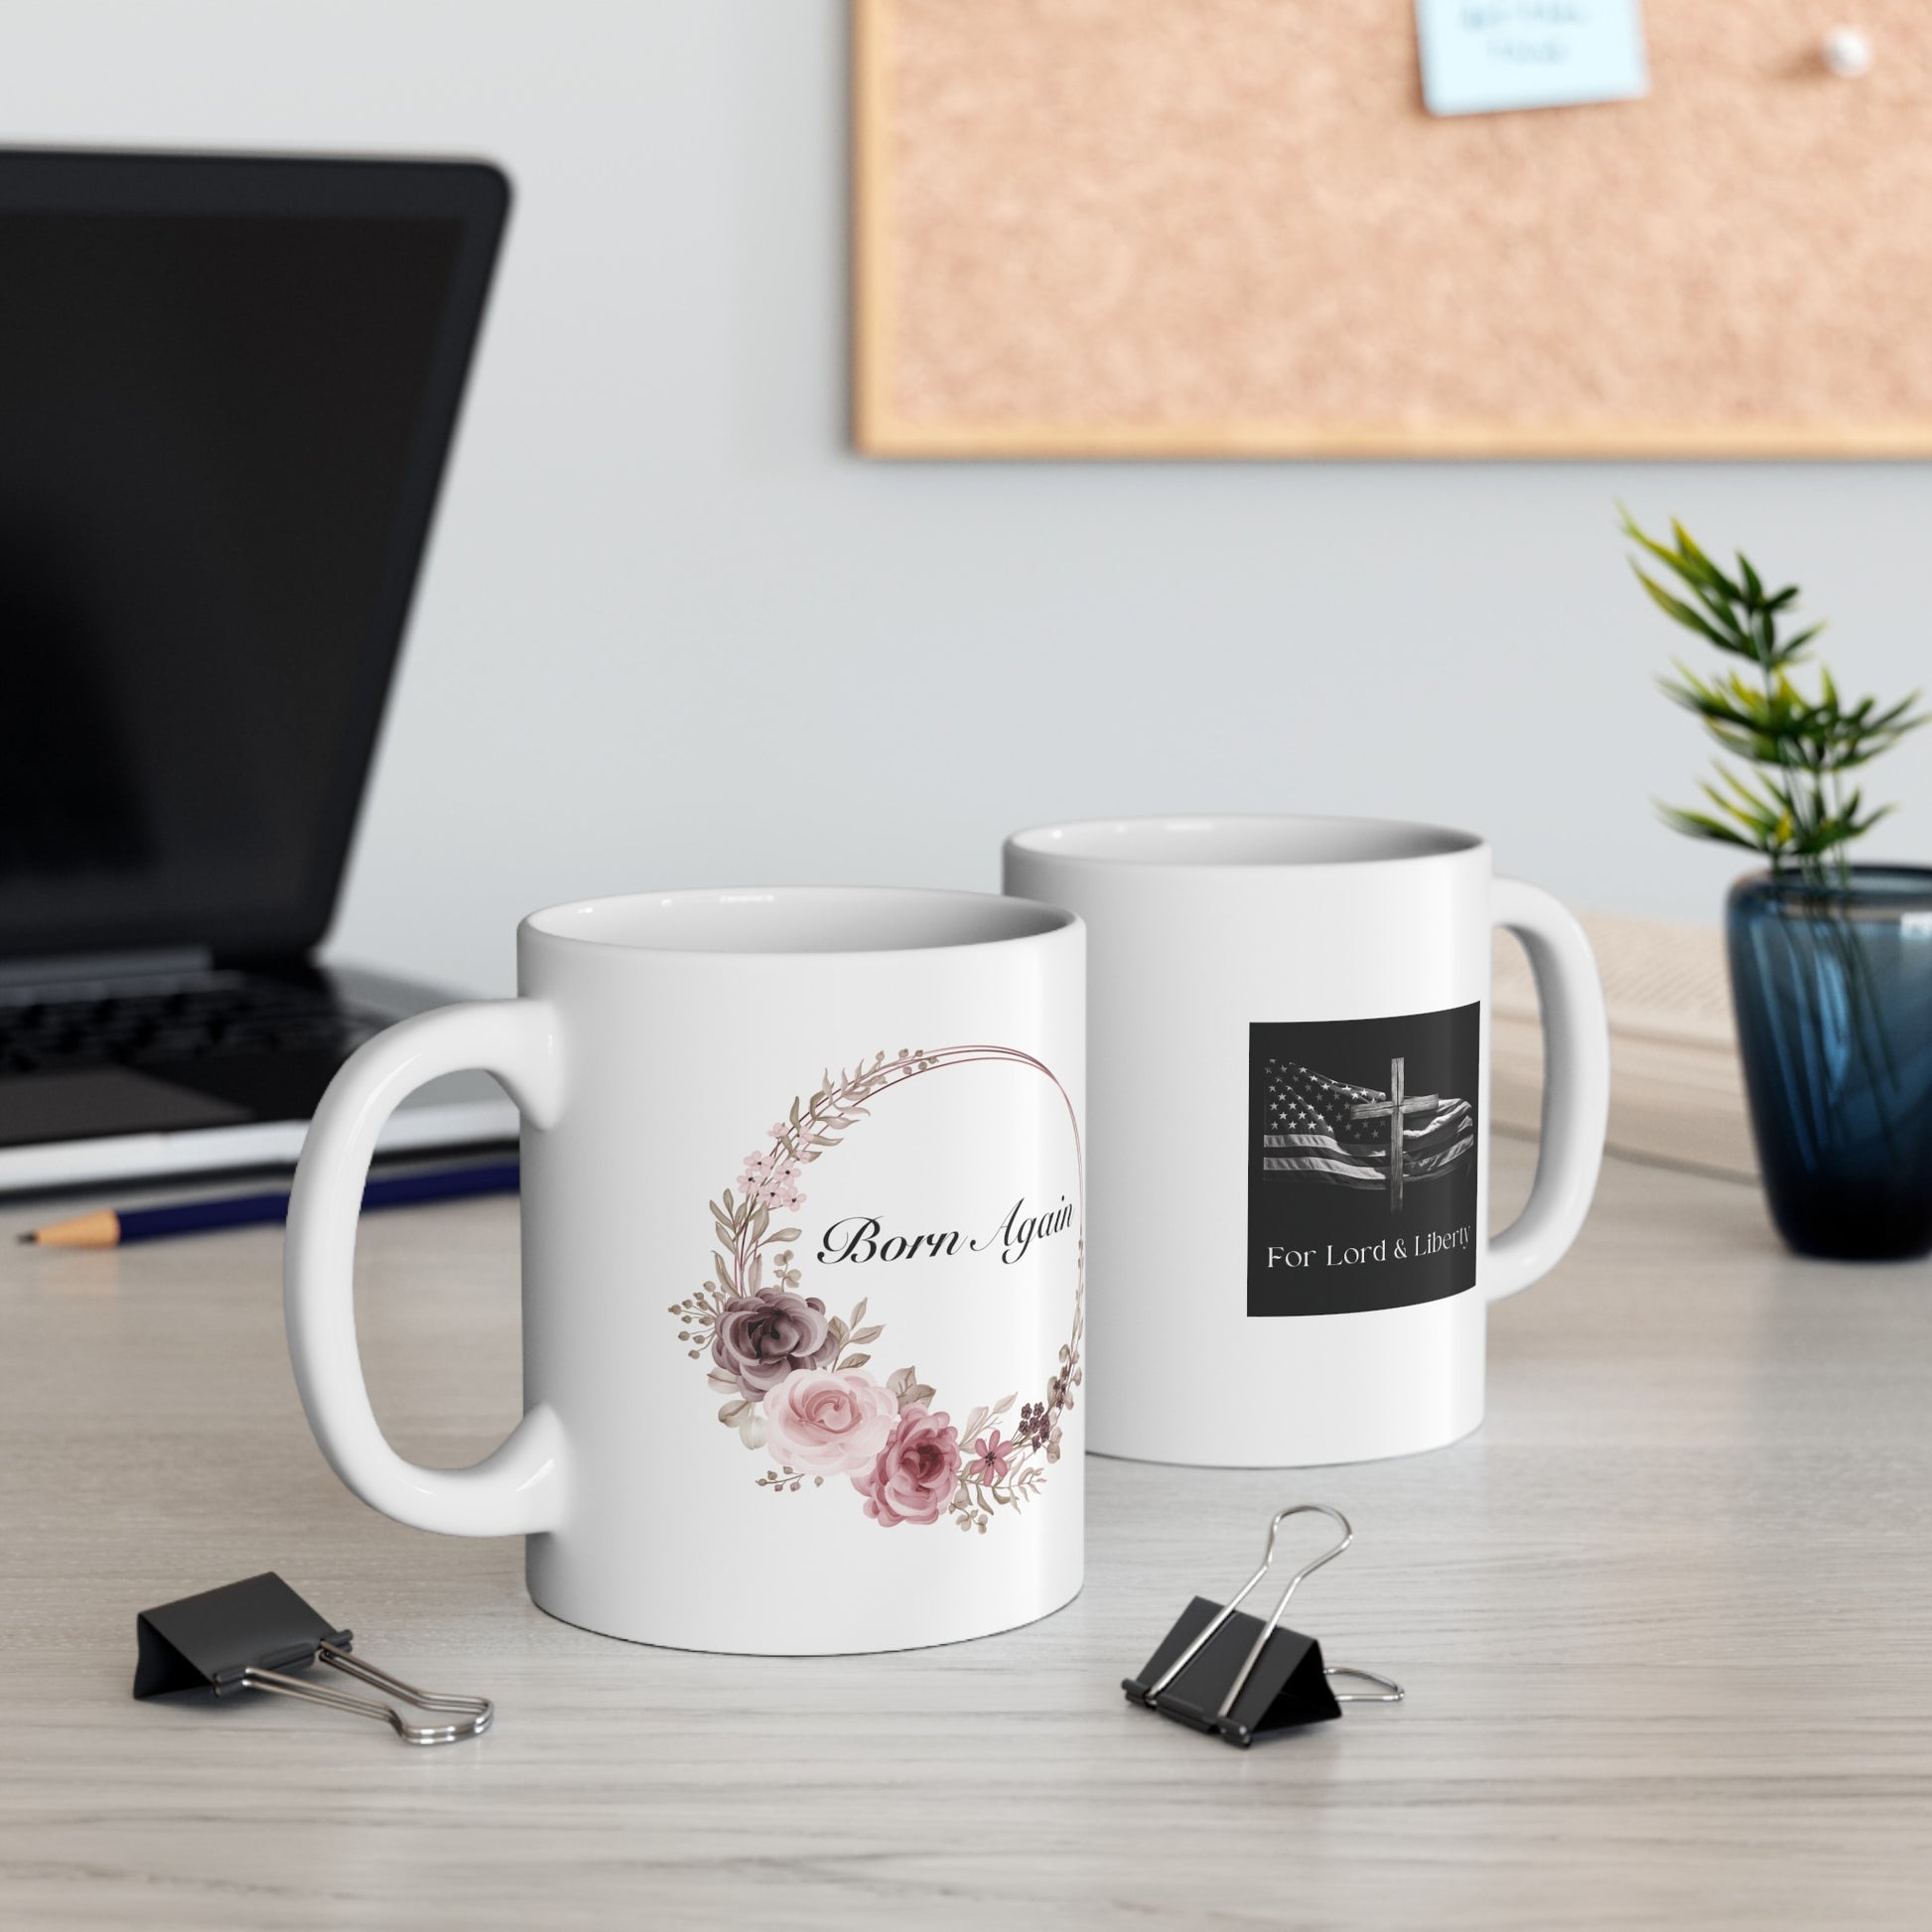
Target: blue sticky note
pixel 1483 57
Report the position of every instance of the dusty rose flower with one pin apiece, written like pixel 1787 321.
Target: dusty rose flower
pixel 915 1473
pixel 827 1422
pixel 762 1338
pixel 989 1459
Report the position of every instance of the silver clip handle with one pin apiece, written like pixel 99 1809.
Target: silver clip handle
pixel 1391 1692
pixel 477 1713
pixel 1306 1570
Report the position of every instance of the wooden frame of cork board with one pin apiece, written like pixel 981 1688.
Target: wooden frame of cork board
pixel 1230 227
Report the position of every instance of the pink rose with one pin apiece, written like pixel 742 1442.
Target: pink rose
pixel 914 1475
pixel 828 1422
pixel 762 1338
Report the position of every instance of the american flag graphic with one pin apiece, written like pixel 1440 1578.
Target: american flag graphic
pixel 1339 1134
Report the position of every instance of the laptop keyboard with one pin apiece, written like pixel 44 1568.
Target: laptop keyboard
pixel 217 1015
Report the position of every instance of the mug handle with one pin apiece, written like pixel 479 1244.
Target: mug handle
pixel 1576 1087
pixel 519 1488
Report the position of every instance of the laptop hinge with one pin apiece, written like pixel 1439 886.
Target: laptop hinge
pixel 114 967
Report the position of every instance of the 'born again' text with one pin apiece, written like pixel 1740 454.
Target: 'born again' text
pixel 861 1237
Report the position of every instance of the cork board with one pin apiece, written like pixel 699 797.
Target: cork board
pixel 1222 227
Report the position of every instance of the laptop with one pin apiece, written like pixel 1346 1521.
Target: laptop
pixel 227 387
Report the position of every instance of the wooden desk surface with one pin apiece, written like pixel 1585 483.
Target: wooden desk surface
pixel 1664 1624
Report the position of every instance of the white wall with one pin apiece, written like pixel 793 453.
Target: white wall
pixel 673 631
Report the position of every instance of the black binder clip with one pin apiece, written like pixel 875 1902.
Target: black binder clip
pixel 1221 1670
pixel 248 1636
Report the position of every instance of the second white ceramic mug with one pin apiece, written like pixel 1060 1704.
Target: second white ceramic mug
pixel 1288 1045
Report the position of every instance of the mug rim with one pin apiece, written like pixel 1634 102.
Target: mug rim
pixel 1019 921
pixel 1161 841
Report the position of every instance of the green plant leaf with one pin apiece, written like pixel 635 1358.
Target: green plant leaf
pixel 1785 798
pixel 1676 608
pixel 1700 825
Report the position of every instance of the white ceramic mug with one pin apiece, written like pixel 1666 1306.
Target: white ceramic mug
pixel 803 1228
pixel 1290 1040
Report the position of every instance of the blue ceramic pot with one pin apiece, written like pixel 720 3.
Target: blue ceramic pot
pixel 1833 987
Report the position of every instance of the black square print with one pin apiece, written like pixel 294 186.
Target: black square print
pixel 1362 1150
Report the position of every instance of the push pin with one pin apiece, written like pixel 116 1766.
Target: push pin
pixel 248 1636
pixel 1220 1670
pixel 1846 53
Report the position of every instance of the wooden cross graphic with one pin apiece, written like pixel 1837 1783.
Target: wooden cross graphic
pixel 1394 1107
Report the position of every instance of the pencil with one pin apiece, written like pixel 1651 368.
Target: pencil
pixel 106 1228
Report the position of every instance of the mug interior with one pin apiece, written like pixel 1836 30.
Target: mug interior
pixel 1243 839
pixel 800 919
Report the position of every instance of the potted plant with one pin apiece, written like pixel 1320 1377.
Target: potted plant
pixel 1831 962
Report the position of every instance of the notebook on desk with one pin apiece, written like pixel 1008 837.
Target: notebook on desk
pixel 227 388
pixel 1676 1090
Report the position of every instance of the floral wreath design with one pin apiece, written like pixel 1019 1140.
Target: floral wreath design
pixel 795 1377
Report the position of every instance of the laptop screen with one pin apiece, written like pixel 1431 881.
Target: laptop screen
pixel 227 389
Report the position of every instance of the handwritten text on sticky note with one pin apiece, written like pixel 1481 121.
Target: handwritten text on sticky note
pixel 1482 57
